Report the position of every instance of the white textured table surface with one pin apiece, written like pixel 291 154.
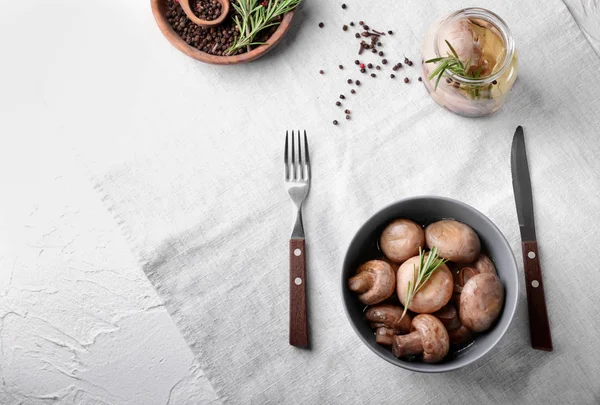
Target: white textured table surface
pixel 79 321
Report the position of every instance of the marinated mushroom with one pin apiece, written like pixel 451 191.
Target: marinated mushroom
pixel 481 301
pixel 374 282
pixel 428 336
pixel 484 265
pixel 448 315
pixel 459 335
pixel 400 240
pixel 456 241
pixel 434 294
pixel 388 316
pixel 384 336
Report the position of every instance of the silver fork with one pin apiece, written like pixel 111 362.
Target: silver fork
pixel 297 183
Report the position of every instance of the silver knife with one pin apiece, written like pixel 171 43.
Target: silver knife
pixel 539 326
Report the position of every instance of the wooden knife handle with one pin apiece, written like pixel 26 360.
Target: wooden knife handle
pixel 539 326
pixel 298 315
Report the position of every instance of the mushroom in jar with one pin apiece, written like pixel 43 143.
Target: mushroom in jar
pixel 428 336
pixel 433 295
pixel 481 301
pixel 455 241
pixel 401 239
pixel 374 282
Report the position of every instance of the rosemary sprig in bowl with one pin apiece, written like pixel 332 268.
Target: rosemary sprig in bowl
pixel 256 16
pixel 427 266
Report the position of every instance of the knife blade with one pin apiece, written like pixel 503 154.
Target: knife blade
pixel 539 325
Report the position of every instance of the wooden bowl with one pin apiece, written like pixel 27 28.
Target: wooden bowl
pixel 159 9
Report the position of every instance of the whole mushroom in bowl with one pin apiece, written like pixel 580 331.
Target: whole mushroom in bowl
pixel 481 302
pixel 428 337
pixel 401 239
pixel 432 296
pixel 456 241
pixel 374 282
pixel 388 321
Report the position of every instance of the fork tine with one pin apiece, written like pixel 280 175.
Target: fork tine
pixel 286 160
pixel 306 157
pixel 300 161
pixel 293 176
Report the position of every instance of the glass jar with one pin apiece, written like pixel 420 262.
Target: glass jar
pixel 481 62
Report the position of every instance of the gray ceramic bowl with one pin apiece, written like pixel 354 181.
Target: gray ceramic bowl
pixel 424 210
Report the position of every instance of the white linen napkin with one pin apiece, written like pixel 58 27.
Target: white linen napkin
pixel 189 159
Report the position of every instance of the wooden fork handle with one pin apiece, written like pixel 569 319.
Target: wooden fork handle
pixel 539 325
pixel 298 314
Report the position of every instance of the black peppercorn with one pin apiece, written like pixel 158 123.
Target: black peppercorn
pixel 384 61
pixel 358 82
pixel 321 25
pixel 338 103
pixel 342 96
pixel 357 62
pixel 390 32
pixel 335 122
pixel 341 67
pixel 321 72
pixel 380 53
pixel 347 117
pixel 349 81
pixel 393 76
pixel 357 35
pixel 406 80
pixel 370 66
pixel 419 79
pixel 352 91
pixel 373 75
pixel 343 6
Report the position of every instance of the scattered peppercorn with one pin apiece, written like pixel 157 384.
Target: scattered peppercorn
pixel 406 60
pixel 347 111
pixel 335 122
pixel 393 76
pixel 378 43
pixel 391 32
pixel 342 96
pixel 410 63
pixel 352 23
pixel 343 6
pixel 363 70
pixel 321 72
pixel 338 103
pixel 341 67
pixel 357 35
pixel 361 23
pixel 357 62
pixel 366 27
pixel 358 82
pixel 406 80
pixel 350 81
pixel 321 25
pixel 384 61
pixel 373 75
pixel 380 53
pixel 352 91
pixel 378 67
pixel 495 82
pixel 345 28
pixel 419 79
pixel 347 117
pixel 374 51
pixel 370 66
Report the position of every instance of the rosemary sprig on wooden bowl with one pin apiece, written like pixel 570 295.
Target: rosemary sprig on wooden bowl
pixel 427 266
pixel 256 16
